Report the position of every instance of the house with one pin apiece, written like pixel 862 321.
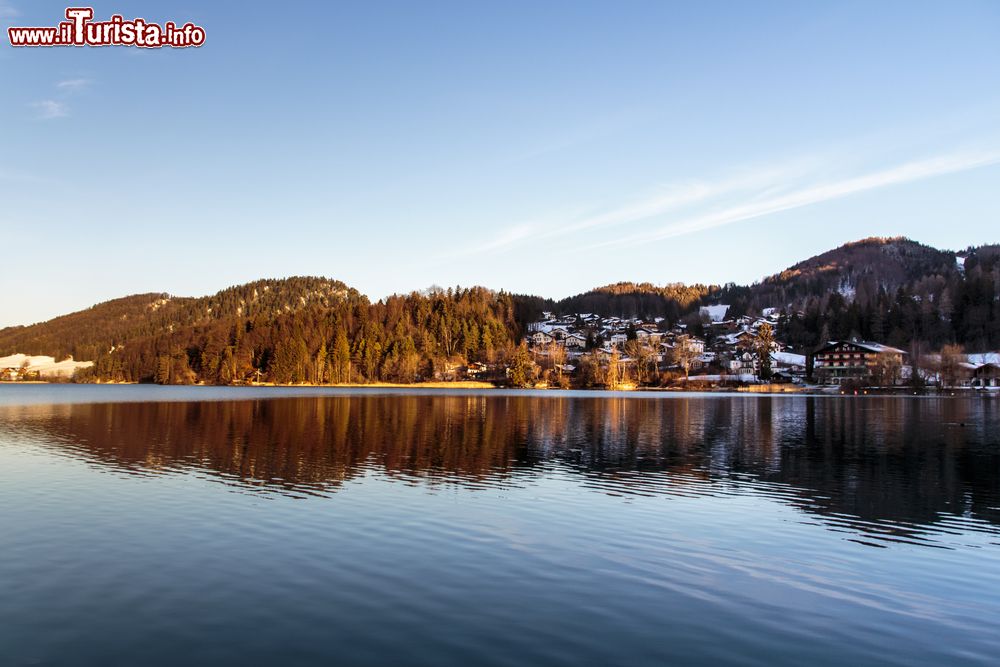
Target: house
pixel 742 363
pixel 695 343
pixel 741 340
pixel 966 371
pixel 476 369
pixel 618 338
pixel 857 361
pixel 540 338
pixel 986 375
pixel 575 340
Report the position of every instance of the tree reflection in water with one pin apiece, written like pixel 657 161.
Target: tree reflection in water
pixel 877 466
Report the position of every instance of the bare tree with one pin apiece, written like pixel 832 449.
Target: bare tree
pixel 762 348
pixel 684 354
pixel 917 363
pixel 642 355
pixel 557 357
pixel 614 374
pixel 952 357
pixel 887 369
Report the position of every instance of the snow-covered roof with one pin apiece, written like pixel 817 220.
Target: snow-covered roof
pixel 878 348
pixel 789 359
pixel 984 358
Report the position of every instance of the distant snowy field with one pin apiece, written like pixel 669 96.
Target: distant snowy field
pixel 46 366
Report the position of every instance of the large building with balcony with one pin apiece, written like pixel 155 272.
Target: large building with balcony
pixel 857 361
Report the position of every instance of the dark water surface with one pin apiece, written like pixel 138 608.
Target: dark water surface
pixel 167 526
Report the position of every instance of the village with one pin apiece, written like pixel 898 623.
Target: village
pixel 630 352
pixel 585 349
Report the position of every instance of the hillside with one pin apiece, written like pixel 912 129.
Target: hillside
pixel 626 299
pixel 859 270
pixel 87 334
pixel 888 289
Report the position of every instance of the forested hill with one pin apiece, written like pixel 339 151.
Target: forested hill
pixel 625 299
pixel 291 330
pixel 87 334
pixel 892 290
pixel 860 270
pixel 320 330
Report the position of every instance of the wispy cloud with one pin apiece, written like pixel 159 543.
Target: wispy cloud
pixel 73 85
pixel 692 206
pixel 7 11
pixel 678 196
pixel 814 194
pixel 48 109
pixel 652 204
pixel 509 237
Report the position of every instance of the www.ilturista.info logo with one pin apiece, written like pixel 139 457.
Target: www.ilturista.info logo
pixel 81 30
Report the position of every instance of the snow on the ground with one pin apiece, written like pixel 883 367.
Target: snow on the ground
pixel 715 313
pixel 789 359
pixel 736 377
pixel 46 366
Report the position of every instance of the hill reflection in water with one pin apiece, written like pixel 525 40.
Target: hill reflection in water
pixel 882 469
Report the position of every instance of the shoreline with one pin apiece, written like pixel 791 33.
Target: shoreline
pixel 758 390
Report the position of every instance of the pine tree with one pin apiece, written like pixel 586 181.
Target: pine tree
pixel 341 358
pixel 522 367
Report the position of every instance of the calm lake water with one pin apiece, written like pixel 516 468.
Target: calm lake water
pixel 165 526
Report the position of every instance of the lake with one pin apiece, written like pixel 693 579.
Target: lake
pixel 148 525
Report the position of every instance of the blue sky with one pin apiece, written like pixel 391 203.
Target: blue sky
pixel 542 147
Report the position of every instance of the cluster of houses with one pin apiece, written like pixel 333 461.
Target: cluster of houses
pixel 730 349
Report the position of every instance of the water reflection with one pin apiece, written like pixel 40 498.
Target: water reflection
pixel 881 469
